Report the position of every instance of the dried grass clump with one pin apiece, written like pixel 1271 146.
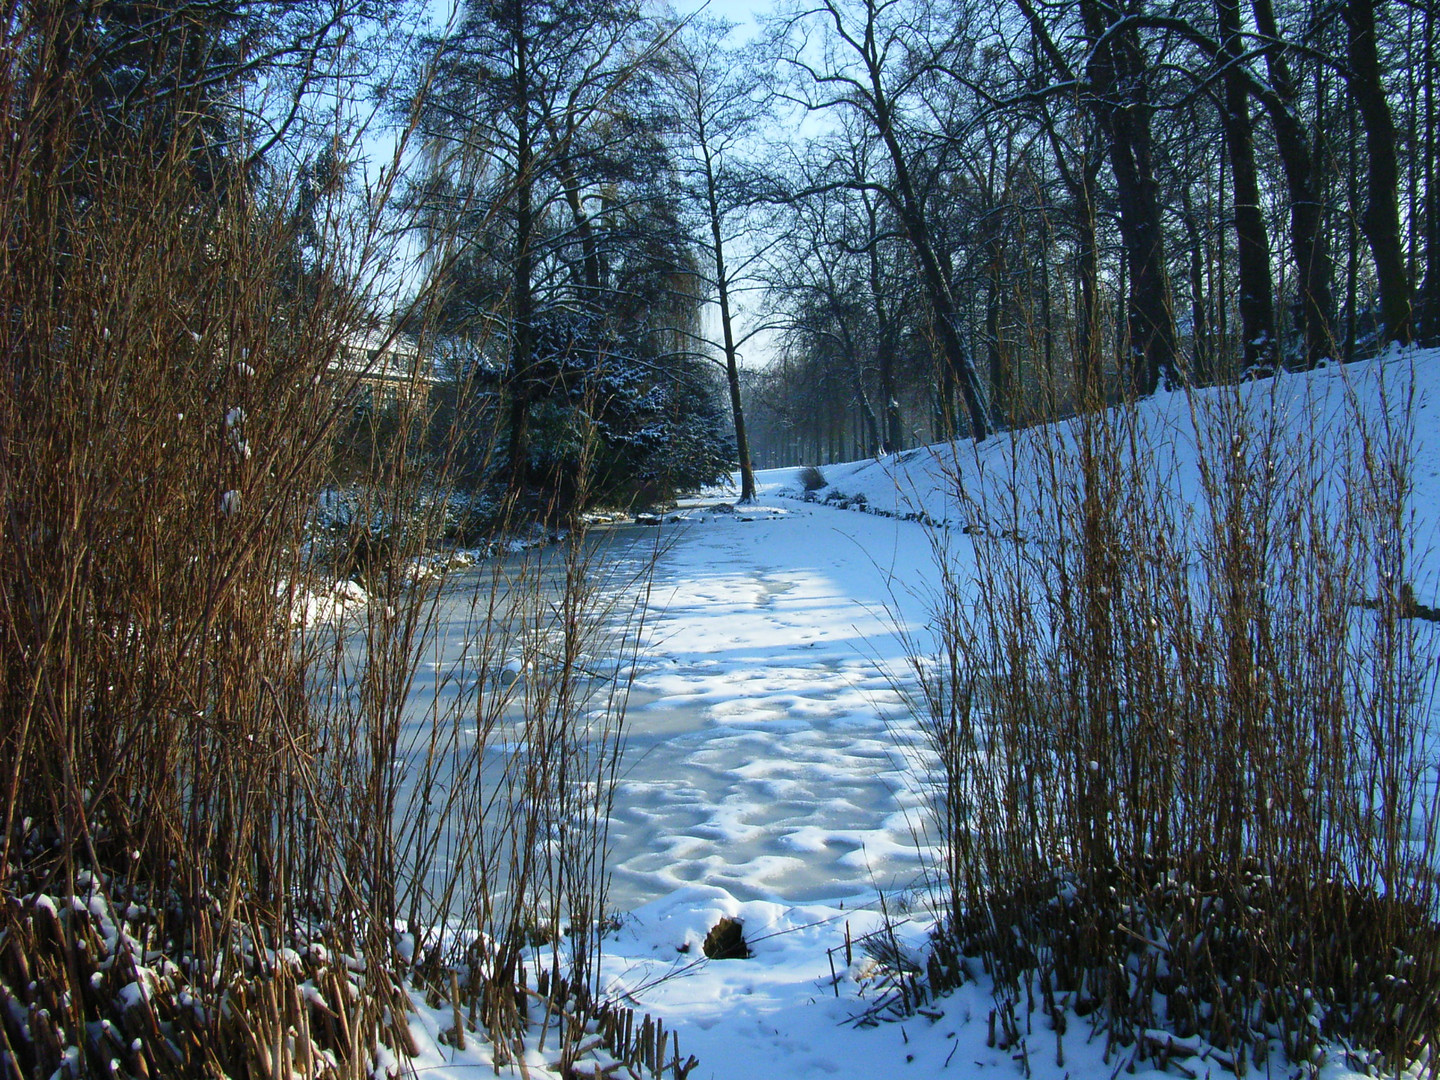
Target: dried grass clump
pixel 212 820
pixel 165 417
pixel 726 941
pixel 1184 749
pixel 812 479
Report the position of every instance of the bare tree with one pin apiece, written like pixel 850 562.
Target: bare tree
pixel 716 110
pixel 875 59
pixel 1381 218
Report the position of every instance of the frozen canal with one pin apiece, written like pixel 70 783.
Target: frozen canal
pixel 767 752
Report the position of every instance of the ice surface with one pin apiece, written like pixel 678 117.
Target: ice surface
pixel 760 754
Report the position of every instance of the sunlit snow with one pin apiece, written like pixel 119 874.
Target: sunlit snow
pixel 771 770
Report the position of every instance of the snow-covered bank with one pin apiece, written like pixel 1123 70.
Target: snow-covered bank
pixel 919 482
pixel 742 1021
pixel 325 604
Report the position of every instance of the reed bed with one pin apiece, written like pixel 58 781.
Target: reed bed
pixel 229 845
pixel 1182 711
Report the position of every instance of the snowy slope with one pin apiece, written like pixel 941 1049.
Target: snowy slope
pixel 1403 384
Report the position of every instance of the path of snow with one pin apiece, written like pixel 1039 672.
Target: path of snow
pixel 767 752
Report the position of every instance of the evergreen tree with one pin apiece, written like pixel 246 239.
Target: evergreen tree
pixel 543 144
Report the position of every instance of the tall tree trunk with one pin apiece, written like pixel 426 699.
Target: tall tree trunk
pixel 727 326
pixel 522 282
pixel 1082 194
pixel 1116 74
pixel 1202 349
pixel 1352 267
pixel 1315 272
pixel 1259 346
pixel 1088 270
pixel 1381 218
pixel 1428 302
pixel 958 364
pixel 885 343
pixel 1047 319
pixel 1002 403
pixel 1080 183
pixel 875 442
pixel 1221 356
pixel 737 411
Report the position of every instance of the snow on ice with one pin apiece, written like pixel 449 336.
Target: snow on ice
pixel 771 770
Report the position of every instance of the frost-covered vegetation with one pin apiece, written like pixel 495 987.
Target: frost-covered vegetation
pixel 315 681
